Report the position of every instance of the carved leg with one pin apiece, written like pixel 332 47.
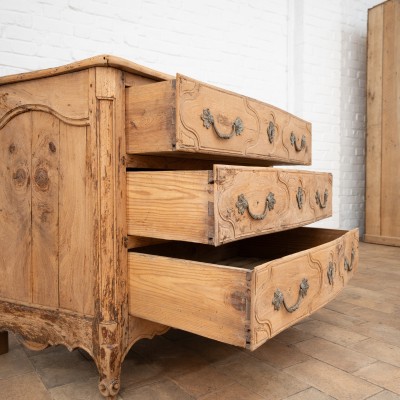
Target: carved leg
pixel 3 342
pixel 109 387
pixel 110 371
pixel 109 359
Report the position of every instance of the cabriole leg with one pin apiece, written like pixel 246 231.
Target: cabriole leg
pixel 109 379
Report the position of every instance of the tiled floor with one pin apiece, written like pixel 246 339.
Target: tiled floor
pixel 348 350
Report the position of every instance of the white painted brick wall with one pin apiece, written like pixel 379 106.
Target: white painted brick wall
pixel 305 56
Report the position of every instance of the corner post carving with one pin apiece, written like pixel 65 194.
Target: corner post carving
pixel 111 320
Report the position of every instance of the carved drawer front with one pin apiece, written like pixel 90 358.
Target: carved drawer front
pixel 242 293
pixel 226 204
pixel 186 116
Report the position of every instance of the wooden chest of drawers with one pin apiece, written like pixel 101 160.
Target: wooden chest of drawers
pixel 132 201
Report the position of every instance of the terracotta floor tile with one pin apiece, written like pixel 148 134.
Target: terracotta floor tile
pixel 163 390
pixel 62 367
pixel 333 381
pixel 261 378
pixel 136 371
pixel 379 331
pixel 211 350
pixel 203 381
pixel 279 355
pixel 337 319
pixel 13 341
pixel 86 390
pixel 370 299
pixel 380 350
pixel 334 354
pixel 232 392
pixel 169 358
pixel 364 313
pixel 331 332
pixel 21 386
pixel 292 335
pixel 385 395
pixel 15 362
pixel 310 394
pixel 343 307
pixel 382 374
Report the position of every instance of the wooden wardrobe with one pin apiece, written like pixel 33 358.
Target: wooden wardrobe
pixel 383 125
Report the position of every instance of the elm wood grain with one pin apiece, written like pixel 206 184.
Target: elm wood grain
pixel 104 60
pixel 15 209
pixel 203 206
pixel 45 136
pixel 110 337
pixel 38 327
pixel 40 129
pixel 75 268
pixel 63 183
pixel 385 240
pixel 47 95
pixel 3 342
pixel 235 304
pixel 171 114
pixel 390 121
pixel 383 125
pixel 374 121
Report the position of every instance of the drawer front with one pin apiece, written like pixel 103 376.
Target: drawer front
pixel 247 300
pixel 213 120
pixel 188 116
pixel 226 204
pixel 254 201
pixel 299 285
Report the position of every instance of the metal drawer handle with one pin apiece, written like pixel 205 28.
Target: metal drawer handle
pixel 208 120
pixel 318 199
pixel 330 272
pixel 242 205
pixel 279 298
pixel 299 197
pixel 293 141
pixel 271 131
pixel 349 266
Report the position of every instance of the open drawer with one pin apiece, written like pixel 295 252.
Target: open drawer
pixel 226 204
pixel 242 293
pixel 185 117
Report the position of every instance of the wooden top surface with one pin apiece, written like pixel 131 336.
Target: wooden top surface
pixel 97 61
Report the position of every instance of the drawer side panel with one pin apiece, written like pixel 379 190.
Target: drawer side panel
pixel 169 205
pixel 188 295
pixel 150 118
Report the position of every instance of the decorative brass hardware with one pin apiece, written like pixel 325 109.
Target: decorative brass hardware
pixel 271 131
pixel 318 199
pixel 330 272
pixel 243 205
pixel 208 120
pixel 279 297
pixel 349 266
pixel 293 142
pixel 299 197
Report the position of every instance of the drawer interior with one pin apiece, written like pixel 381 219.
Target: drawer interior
pixel 247 253
pixel 227 293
